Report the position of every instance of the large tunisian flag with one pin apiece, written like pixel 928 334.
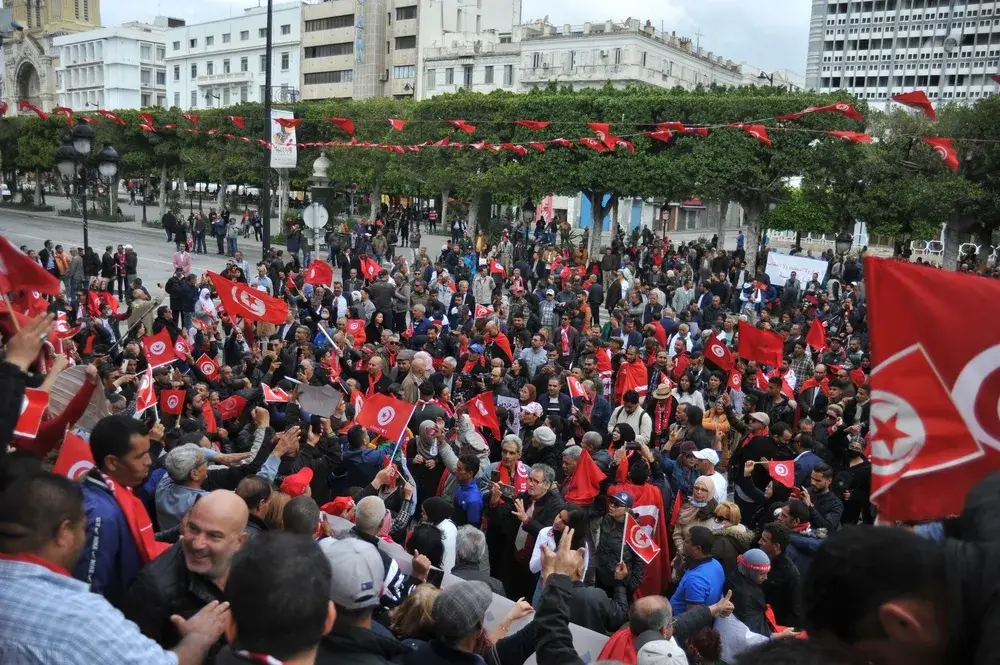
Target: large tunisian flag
pixel 247 302
pixel 763 346
pixel 935 428
pixel 648 509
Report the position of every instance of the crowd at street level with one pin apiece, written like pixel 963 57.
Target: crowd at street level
pixel 197 536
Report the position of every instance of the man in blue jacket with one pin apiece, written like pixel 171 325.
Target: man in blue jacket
pixel 555 402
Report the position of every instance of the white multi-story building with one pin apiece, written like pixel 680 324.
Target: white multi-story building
pixel 221 63
pixel 116 68
pixel 376 48
pixel 875 48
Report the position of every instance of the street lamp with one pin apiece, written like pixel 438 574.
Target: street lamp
pixel 71 160
pixel 528 216
pixel 766 77
pixel 843 243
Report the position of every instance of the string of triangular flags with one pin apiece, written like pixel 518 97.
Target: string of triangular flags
pixel 603 140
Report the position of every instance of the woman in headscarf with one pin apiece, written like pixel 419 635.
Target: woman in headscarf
pixel 699 510
pixel 424 463
pixel 438 512
pixel 204 310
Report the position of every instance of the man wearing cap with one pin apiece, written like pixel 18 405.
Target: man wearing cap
pixel 745 582
pixel 652 649
pixel 756 444
pixel 458 614
pixel 355 586
pixel 370 517
pixel 706 459
pixel 609 574
pixel 704 577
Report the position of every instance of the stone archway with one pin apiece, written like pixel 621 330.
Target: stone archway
pixel 28 84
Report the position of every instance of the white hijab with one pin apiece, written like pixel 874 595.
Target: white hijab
pixel 207 305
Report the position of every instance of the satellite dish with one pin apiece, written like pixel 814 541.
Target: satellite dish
pixel 950 44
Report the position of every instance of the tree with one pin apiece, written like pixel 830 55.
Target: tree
pixel 37 142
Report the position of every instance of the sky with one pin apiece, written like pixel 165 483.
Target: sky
pixel 771 34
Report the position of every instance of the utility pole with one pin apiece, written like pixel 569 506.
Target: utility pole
pixel 265 190
pixel 698 35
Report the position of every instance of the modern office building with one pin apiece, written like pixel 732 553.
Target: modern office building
pixel 875 48
pixel 221 63
pixel 118 68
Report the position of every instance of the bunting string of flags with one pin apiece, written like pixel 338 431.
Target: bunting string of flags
pixel 603 140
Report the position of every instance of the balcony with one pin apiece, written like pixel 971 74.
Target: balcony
pixel 404 27
pixel 231 77
pixel 471 51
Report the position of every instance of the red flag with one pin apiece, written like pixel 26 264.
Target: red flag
pixel 462 125
pixel 853 137
pixel 660 135
pixel 843 108
pixel 147 119
pixel 483 413
pixel 735 381
pixel 585 483
pixel 918 100
pixel 33 407
pixel 145 396
pixel 31 303
pixel 397 124
pixel 596 144
pixel 540 147
pixel 935 429
pixel 763 346
pixel 858 377
pixel 288 123
pixel 640 540
pixel 945 150
pixel 172 401
pixel 783 472
pixel 17 272
pixel 496 266
pixel 158 349
pixel 75 458
pixel 370 268
pixel 386 416
pixel 632 376
pixel 700 131
pixel 565 143
pixel 181 348
pixel 719 354
pixel 273 394
pixel 648 510
pixel 603 131
pixel 66 113
pixel 533 125
pixel 681 364
pixel 759 132
pixel 236 120
pixel 113 117
pixel 249 303
pixel 231 407
pixel 208 367
pixel 675 513
pixel 344 124
pixel 504 344
pixel 995 77
pixel 25 105
pixel 319 273
pixel 816 337
pixel 356 327
pixel 190 117
pixel 575 387
pixel 483 311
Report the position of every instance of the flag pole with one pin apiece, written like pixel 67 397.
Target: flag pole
pixel 621 556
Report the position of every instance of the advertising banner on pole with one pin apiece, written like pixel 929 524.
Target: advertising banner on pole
pixel 283 152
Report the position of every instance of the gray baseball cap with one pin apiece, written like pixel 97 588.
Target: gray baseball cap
pixel 358 573
pixel 460 608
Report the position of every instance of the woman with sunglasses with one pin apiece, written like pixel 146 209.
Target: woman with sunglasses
pixel 731 537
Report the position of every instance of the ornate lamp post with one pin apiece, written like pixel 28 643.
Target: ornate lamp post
pixel 76 165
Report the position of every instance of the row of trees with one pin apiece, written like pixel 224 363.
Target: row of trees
pixel 897 185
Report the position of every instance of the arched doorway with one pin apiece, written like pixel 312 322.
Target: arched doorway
pixel 29 86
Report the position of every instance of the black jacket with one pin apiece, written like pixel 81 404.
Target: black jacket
pixel 609 552
pixel 826 511
pixel 255 526
pixel 749 601
pixel 471 573
pixel 782 592
pixel 165 587
pixel 593 609
pixel 348 645
pixel 12 385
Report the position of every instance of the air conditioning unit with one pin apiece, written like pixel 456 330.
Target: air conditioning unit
pixel 604 53
pixel 383 77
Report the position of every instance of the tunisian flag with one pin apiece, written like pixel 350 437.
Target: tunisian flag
pixel 575 387
pixel 172 401
pixel 483 413
pixel 75 457
pixel 935 429
pixel 816 337
pixel 356 327
pixel 319 273
pixel 719 354
pixel 208 367
pixel 145 396
pixel 763 346
pixel 370 269
pixel 585 483
pixel 648 509
pixel 632 376
pixel 247 302
pixel 783 472
pixel 503 343
pixel 639 540
pixel 159 349
pixel 17 272
pixel 33 407
pixel 386 416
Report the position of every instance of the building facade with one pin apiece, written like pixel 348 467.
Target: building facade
pixel 222 63
pixel 875 48
pixel 779 78
pixel 30 57
pixel 376 48
pixel 118 68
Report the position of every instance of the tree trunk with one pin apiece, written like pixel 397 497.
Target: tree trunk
pixel 597 214
pixel 284 186
pixel 473 214
pixel 376 206
pixel 721 231
pixel 220 202
pixel 162 199
pixel 616 229
pixel 38 187
pixel 753 208
pixel 444 208
pixel 985 241
pixel 949 258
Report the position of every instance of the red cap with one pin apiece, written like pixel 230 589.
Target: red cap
pixel 297 483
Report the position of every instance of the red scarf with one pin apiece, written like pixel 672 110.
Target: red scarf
pixel 208 413
pixel 565 341
pixel 751 435
pixel 391 359
pixel 520 483
pixel 138 521
pixel 801 528
pixel 812 383
pixel 471 364
pixel 37 560
pixel 371 384
pixel 661 415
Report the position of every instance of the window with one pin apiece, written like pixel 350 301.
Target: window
pixel 331 23
pixel 244 35
pixel 404 71
pixel 145 76
pixel 209 67
pixel 225 96
pixel 194 99
pixel 572 60
pixel 338 76
pixel 505 38
pixel 144 100
pixel 618 56
pixel 329 50
pixel 404 13
pixel 210 40
pixel 406 42
pixel 449 76
pixel 161 77
pixel 161 53
pixel 194 70
pixel 467 76
pixel 262 33
pixel 243 93
pixel 226 37
pixel 431 75
pixel 263 63
pixel 177 72
pixel 145 52
pixel 286 29
pixel 161 101
pixel 285 59
pixel 536 60
pixel 488 75
pixel 508 74
pixel 244 64
pixel 225 66
pixel 177 99
pixel 193 43
pixel 177 46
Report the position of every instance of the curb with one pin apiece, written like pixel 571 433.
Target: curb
pixel 74 221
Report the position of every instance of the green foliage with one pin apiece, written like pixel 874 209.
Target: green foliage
pixel 798 212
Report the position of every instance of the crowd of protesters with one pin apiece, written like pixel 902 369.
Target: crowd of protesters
pixel 202 536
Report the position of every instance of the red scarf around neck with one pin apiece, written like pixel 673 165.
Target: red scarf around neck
pixel 138 521
pixel 520 482
pixel 752 435
pixel 371 384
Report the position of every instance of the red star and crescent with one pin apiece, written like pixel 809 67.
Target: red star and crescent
pixel 887 432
